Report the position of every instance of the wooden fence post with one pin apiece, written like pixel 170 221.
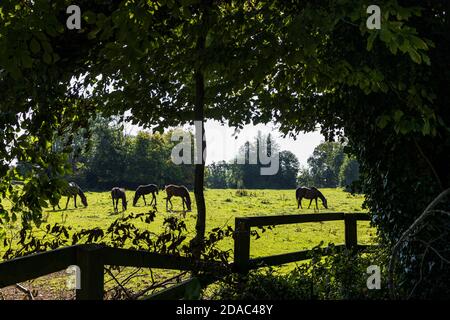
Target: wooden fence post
pixel 90 262
pixel 241 246
pixel 351 236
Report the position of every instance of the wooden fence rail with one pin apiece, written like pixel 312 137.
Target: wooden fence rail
pixel 242 261
pixel 91 258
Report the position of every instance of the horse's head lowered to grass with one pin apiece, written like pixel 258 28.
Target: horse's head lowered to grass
pixel 178 191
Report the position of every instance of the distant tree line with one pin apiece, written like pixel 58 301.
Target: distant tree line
pixel 241 173
pixel 107 157
pixel 330 167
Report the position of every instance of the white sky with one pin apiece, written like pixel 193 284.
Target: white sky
pixel 222 144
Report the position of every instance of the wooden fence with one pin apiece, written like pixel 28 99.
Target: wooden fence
pixel 242 261
pixel 91 258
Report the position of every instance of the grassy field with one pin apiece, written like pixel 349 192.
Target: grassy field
pixel 223 206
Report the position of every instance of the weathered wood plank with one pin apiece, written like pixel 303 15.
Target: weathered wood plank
pixel 351 234
pixel 283 258
pixel 90 262
pixel 178 291
pixel 302 218
pixel 144 259
pixel 138 258
pixel 291 219
pixel 241 245
pixel 36 265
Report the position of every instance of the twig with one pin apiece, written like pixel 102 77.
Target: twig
pixel 120 285
pixel 25 290
pixel 435 251
pixel 130 276
pixel 438 180
pixel 421 274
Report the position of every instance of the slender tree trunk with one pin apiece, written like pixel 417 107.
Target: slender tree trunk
pixel 200 165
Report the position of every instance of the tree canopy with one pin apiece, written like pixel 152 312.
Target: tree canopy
pixel 299 63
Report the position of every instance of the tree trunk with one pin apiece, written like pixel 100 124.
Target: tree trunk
pixel 200 165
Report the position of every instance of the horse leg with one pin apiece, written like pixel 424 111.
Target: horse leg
pixel 167 203
pixel 75 200
pixel 298 203
pixel 184 211
pixel 155 204
pixel 145 202
pixel 67 203
pixel 153 199
pixel 310 203
pixel 182 200
pixel 317 206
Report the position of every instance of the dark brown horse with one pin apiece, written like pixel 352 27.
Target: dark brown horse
pixel 143 190
pixel 178 191
pixel 116 194
pixel 72 190
pixel 309 193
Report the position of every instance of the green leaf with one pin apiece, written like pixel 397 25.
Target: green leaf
pixel 35 47
pixel 93 34
pixel 370 40
pixel 426 129
pixel 89 17
pixel 426 59
pixel 383 121
pixel 398 114
pixel 418 43
pixel 47 58
pixel 27 62
pixel 415 56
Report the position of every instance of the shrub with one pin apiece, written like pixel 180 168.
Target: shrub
pixel 341 275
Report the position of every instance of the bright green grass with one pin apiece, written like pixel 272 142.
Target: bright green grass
pixel 222 207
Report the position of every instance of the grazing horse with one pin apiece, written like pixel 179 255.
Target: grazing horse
pixel 143 190
pixel 178 191
pixel 72 190
pixel 309 193
pixel 116 194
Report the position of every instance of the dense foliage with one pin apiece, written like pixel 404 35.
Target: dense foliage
pixel 340 275
pixel 394 113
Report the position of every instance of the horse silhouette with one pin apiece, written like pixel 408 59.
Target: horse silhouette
pixel 311 193
pixel 116 194
pixel 142 190
pixel 72 190
pixel 178 191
